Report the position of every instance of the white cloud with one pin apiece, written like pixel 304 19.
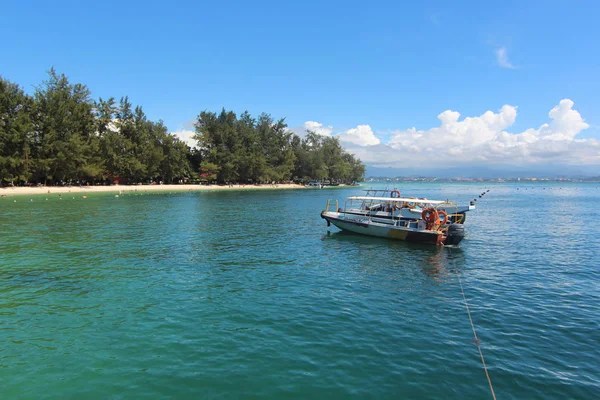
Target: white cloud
pixel 502 58
pixel 185 135
pixel 566 122
pixel 362 135
pixel 479 140
pixel 318 128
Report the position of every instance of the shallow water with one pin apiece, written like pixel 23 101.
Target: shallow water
pixel 249 294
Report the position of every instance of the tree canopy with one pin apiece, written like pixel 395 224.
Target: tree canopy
pixel 262 150
pixel 61 135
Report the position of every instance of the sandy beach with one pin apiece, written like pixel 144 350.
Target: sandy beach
pixel 37 190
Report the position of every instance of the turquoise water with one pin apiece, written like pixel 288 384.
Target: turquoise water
pixel 247 295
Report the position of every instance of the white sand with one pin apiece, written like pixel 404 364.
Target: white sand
pixel 24 191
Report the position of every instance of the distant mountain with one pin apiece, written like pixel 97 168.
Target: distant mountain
pixel 486 172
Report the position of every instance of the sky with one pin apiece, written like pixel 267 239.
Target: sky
pixel 431 84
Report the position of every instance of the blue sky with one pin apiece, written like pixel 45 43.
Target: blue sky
pixel 389 66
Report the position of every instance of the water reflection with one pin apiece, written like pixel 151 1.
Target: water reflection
pixel 436 262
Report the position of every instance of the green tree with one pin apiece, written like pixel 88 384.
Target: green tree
pixel 175 163
pixel 15 131
pixel 64 143
pixel 264 150
pixel 61 135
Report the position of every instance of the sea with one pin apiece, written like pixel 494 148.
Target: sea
pixel 248 294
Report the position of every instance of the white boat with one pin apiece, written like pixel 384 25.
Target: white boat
pixel 410 219
pixel 412 206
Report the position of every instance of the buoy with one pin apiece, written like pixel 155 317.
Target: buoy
pixel 85 197
pixel 116 195
pixel 15 201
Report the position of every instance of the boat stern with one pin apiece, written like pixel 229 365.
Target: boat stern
pixel 455 234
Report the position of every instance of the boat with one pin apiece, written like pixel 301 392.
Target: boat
pixel 439 222
pixel 412 207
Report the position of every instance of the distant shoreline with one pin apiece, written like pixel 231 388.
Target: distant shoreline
pixel 38 190
pixel 481 180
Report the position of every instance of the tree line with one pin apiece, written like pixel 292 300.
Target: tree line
pixel 244 149
pixel 61 135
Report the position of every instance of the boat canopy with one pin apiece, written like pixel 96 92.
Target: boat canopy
pixel 397 199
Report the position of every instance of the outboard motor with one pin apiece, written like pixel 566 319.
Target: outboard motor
pixel 456 233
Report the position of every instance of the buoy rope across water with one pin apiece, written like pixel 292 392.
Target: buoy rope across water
pixel 476 340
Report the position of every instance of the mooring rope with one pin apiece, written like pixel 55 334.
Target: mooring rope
pixel 476 341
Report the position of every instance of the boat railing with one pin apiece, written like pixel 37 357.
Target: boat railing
pixel 363 207
pixel 447 206
pixel 330 203
pixel 458 218
pixel 377 192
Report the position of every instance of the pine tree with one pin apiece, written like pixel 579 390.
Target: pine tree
pixel 15 133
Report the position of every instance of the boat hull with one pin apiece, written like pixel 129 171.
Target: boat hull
pixel 371 228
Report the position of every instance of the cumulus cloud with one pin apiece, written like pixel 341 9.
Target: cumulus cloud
pixel 362 135
pixel 185 135
pixel 502 58
pixel 318 128
pixel 479 140
pixel 484 139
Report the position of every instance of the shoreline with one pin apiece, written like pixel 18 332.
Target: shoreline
pixel 37 190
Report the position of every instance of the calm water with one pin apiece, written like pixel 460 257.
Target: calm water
pixel 246 294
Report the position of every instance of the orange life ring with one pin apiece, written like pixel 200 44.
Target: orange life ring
pixel 445 214
pixel 430 215
pixel 397 192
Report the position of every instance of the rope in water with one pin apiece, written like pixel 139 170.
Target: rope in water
pixel 476 341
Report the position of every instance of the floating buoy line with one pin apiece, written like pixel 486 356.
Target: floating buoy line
pixel 462 290
pixel 120 194
pixel 476 339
